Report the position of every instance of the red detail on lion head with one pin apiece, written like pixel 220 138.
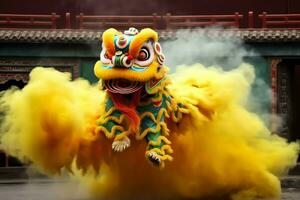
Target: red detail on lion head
pixel 128 108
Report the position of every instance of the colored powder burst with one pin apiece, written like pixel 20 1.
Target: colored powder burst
pixel 231 155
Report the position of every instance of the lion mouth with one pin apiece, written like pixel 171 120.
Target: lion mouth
pixel 123 86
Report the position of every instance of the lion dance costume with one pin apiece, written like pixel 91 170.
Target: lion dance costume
pixel 138 101
pixel 194 128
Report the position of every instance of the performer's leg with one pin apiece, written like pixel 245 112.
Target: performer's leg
pixel 111 125
pixel 158 149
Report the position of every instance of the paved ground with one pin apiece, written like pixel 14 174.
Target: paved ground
pixel 42 190
pixel 59 190
pixel 291 194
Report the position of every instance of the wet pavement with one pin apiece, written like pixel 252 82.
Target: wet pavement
pixel 61 190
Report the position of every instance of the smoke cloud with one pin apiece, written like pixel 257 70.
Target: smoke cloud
pixel 205 46
pixel 220 48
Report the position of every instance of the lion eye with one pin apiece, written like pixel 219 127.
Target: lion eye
pixel 146 55
pixel 143 54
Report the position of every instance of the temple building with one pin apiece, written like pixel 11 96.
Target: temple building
pixel 67 36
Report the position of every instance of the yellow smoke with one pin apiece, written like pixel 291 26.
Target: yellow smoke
pixel 45 121
pixel 222 151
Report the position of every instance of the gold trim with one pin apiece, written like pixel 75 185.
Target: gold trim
pixel 159 125
pixel 111 134
pixel 159 140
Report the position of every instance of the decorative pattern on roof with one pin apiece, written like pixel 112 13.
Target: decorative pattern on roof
pixel 91 36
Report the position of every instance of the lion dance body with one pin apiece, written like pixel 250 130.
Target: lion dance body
pixel 193 127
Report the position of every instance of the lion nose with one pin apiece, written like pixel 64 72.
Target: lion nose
pixel 122 60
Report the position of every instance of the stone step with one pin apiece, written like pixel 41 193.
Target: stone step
pixel 295 170
pixel 290 182
pixel 7 173
pixel 13 173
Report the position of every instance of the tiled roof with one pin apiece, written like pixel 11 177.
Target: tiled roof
pixel 91 36
pixel 49 36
